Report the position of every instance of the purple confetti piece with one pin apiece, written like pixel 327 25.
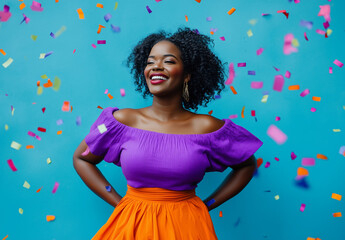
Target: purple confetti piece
pixel 59 122
pixel 209 19
pixel 115 28
pixel 251 72
pixel 52 34
pixel 56 185
pixel 306 24
pixel 78 121
pixel 305 93
pixel 48 54
pixel 107 17
pixel 241 64
pixel 293 156
pixel 342 150
pixel 108 188
pixel 101 41
pixel 278 83
pixel 148 9
pixel 6 8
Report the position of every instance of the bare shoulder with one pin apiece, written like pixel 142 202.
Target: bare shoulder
pixel 208 123
pixel 125 115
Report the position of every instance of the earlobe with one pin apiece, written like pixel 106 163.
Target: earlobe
pixel 187 77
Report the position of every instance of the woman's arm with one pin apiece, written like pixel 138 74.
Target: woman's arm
pixel 85 165
pixel 233 184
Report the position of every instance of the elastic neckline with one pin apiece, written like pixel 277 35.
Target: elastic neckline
pixel 226 120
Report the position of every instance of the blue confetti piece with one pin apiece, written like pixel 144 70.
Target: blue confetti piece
pixel 115 28
pixel 52 34
pixel 48 54
pixel 107 17
pixel 148 9
pixel 108 188
pixel 251 72
pixel 210 202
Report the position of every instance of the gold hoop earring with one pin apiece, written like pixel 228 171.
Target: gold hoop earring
pixel 185 93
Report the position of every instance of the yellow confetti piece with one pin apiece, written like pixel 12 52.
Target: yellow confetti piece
pixel 50 218
pixel 7 63
pixel 253 21
pixel 116 3
pixel 336 196
pixel 56 84
pixel 6 127
pixel 99 5
pixel 49 161
pixel 21 210
pixel 329 31
pixel 295 42
pixel 336 130
pixel 22 6
pixel 80 13
pixel 42 55
pixel 33 37
pixel 15 145
pixel 59 132
pixel 13 114
pixel 337 214
pixel 231 11
pixel 242 113
pixel 44 76
pixel 264 98
pixel 102 128
pixel 26 185
pixel 60 31
pixel 249 33
pixel 321 156
pixel 276 197
pixel 2 51
pixel 39 90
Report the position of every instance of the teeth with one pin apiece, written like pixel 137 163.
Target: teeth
pixel 158 77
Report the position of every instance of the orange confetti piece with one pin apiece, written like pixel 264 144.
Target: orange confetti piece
pixel 242 113
pixel 100 28
pixel 233 90
pixel 38 190
pixel 186 18
pixel 56 0
pixel 38 83
pixel 336 196
pixel 59 132
pixel 337 214
pixel 99 5
pixel 50 218
pixel 65 106
pixel 231 11
pixel 321 156
pixel 294 87
pixel 2 51
pixel 302 172
pixel 109 95
pixel 212 32
pixel 48 84
pixel 21 6
pixel 29 146
pixel 198 1
pixel 5 237
pixel 80 12
pixel 318 99
pixel 220 214
pixel 210 112
pixel 259 162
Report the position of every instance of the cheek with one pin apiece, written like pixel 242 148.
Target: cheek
pixel 176 71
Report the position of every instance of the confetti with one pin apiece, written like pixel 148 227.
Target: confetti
pixel 5 15
pixel 325 12
pixel 231 11
pixel 251 72
pixel 209 19
pixel 49 161
pixel 50 218
pixel 115 28
pixel 317 99
pixel 277 118
pixel 36 6
pixel 321 156
pixel 338 63
pixel 293 156
pixel 65 106
pixel 241 64
pixel 186 18
pixel 305 36
pixel 233 116
pixel 99 5
pixel 56 185
pixel 3 52
pixel 313 109
pixel 305 93
pixel 80 13
pixel 276 134
pixel 287 74
pixel 259 51
pixel 256 85
pixel 308 161
pixel 100 28
pixel 22 6
pixel 231 74
pixel 259 161
pixel 15 145
pixel 278 83
pixel 107 17
pixel 38 190
pixel 276 197
pixel 108 188
pixel 338 214
pixel 116 4
pixel 233 90
pixel 102 128
pixel 253 113
pixel 267 164
pixel 302 172
pixel 302 207
pixel 242 112
pixel 330 70
pixel 306 24
pixel 249 33
pixel 222 38
pixel 336 196
pixel 101 41
pixel 21 210
pixel 7 63
pixel 26 185
pixel 288 48
pixel 11 164
pixel 293 87
pixel 264 98
pixel 60 31
pixel 148 9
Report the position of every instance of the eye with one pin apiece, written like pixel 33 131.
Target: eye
pixel 149 63
pixel 169 61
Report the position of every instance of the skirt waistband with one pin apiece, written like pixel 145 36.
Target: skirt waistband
pixel 159 194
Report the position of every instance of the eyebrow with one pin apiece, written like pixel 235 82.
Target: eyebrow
pixel 166 55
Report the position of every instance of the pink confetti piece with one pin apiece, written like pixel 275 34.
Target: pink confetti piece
pixel 5 15
pixel 86 152
pixel 256 85
pixel 241 64
pixel 36 6
pixel 233 116
pixel 122 92
pixel 278 83
pixel 338 63
pixel 253 113
pixel 74 51
pixel 267 164
pixel 325 11
pixel 319 31
pixel 277 118
pixel 259 51
pixel 308 162
pixel 281 11
pixel 302 207
pixel 305 93
pixel 11 164
pixel 56 185
pixel 209 19
pixel 313 109
pixel 326 25
pixel 231 74
pixel 276 134
pixel 293 156
pixel 288 48
pixel 305 36
pixel 277 159
pixel 330 70
pixel 277 69
pixel 26 19
pixel 31 134
pixel 101 41
pixel 148 9
pixel 93 45
pixel 222 38
pixel 287 74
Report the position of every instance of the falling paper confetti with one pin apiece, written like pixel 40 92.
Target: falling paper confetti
pixel 5 15
pixel 36 6
pixel 276 134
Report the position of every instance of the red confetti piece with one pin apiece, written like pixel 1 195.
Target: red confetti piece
pixel 305 36
pixel 253 113
pixel 41 129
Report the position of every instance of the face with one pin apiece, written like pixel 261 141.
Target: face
pixel 165 63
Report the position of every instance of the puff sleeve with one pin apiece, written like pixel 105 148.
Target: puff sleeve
pixel 230 146
pixel 104 138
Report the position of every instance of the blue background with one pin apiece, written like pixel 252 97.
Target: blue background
pixel 86 74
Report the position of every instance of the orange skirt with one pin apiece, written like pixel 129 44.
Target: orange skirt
pixel 158 214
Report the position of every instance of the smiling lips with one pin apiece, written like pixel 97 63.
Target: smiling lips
pixel 158 76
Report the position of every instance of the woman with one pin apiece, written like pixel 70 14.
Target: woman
pixel 164 150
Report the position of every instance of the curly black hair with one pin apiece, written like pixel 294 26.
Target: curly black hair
pixel 207 71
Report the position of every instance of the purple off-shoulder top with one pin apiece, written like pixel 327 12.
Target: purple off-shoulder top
pixel 170 161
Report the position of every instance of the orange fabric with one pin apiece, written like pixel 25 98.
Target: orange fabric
pixel 158 214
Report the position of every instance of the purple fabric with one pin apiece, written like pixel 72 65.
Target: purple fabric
pixel 170 161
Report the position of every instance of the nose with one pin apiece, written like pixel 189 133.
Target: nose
pixel 157 65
